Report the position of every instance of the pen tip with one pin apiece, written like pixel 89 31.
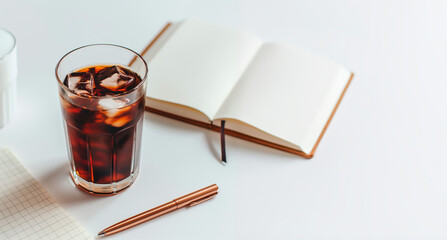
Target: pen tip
pixel 100 234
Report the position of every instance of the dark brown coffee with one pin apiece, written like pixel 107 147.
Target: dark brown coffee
pixel 103 139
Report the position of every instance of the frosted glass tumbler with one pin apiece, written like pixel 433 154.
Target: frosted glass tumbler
pixel 8 76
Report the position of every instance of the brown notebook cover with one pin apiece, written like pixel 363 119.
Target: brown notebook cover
pixel 238 134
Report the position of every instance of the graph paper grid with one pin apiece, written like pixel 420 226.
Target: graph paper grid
pixel 27 211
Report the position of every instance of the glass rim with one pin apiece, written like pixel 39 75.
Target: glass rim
pixel 143 79
pixel 13 46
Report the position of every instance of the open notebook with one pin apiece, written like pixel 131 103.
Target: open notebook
pixel 27 211
pixel 274 94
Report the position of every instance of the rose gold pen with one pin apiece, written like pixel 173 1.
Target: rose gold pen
pixel 188 200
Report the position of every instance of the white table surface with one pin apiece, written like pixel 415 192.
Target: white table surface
pixel 379 172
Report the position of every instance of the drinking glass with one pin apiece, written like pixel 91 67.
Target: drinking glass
pixel 8 76
pixel 103 132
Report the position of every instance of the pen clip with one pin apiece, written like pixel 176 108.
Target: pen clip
pixel 202 200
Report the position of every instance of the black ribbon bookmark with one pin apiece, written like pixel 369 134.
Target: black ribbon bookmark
pixel 222 142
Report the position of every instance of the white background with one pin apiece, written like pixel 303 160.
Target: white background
pixel 379 172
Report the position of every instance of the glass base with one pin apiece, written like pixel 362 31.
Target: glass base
pixel 103 189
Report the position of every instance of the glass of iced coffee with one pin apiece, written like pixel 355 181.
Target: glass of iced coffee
pixel 102 92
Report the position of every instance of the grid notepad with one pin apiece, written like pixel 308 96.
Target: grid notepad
pixel 27 211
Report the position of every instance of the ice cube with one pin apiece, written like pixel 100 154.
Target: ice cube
pixel 80 82
pixel 109 103
pixel 114 78
pixel 115 111
pixel 118 121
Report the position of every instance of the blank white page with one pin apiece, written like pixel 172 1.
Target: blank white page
pixel 27 211
pixel 288 93
pixel 199 65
